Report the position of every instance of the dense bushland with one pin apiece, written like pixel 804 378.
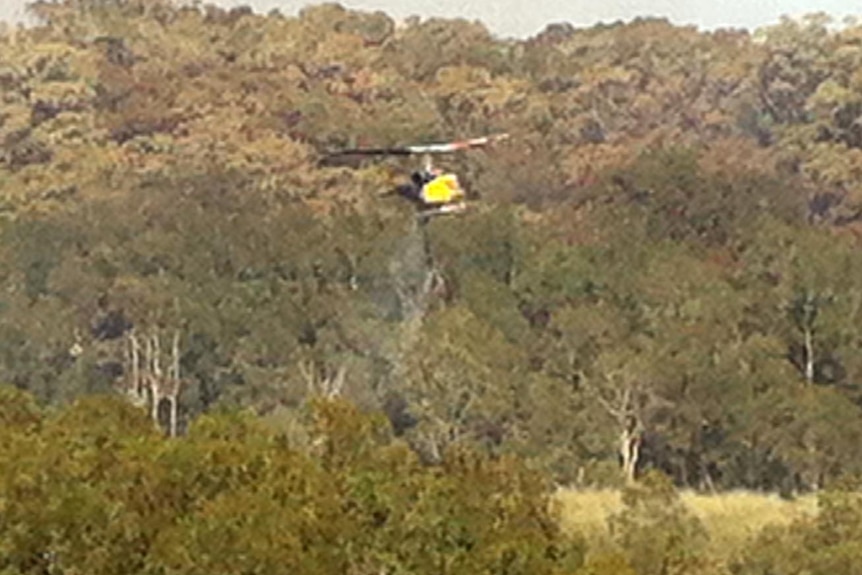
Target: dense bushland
pixel 664 269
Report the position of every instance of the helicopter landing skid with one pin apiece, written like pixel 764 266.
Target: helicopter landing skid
pixel 443 210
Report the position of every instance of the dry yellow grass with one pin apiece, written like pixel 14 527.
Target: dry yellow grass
pixel 730 518
pixel 585 511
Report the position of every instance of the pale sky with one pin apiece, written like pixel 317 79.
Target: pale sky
pixel 526 17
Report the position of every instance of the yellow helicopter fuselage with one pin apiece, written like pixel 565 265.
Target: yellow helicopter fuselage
pixel 443 189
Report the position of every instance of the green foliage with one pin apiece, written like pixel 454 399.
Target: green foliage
pixel 20 412
pixel 672 225
pixel 823 544
pixel 97 489
pixel 665 256
pixel 655 531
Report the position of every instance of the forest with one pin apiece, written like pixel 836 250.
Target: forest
pixel 222 354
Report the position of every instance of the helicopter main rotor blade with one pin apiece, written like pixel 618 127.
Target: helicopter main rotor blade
pixel 443 148
pixel 372 152
pixel 438 148
pixel 352 155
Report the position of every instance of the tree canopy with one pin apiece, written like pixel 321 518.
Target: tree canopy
pixel 664 270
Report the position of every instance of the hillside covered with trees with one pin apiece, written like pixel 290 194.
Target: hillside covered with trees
pixel 660 288
pixel 663 271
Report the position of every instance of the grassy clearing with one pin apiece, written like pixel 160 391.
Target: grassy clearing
pixel 730 518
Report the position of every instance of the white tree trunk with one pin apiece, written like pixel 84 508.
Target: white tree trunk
pixel 156 400
pixel 630 443
pixel 146 380
pixel 173 419
pixel 809 355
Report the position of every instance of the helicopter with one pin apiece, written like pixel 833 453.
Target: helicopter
pixel 433 191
